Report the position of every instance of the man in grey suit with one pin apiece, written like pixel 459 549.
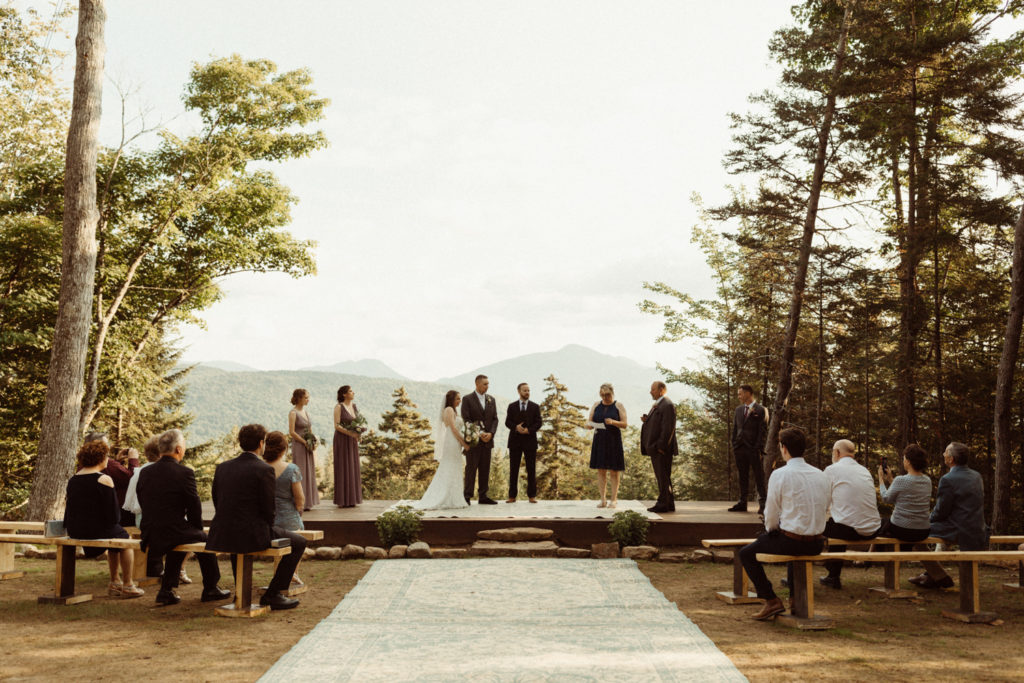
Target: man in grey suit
pixel 480 407
pixel 750 426
pixel 658 440
pixel 959 514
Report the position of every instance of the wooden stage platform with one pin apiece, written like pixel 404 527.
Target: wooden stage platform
pixel 691 522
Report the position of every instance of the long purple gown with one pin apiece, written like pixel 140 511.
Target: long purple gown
pixel 348 482
pixel 306 463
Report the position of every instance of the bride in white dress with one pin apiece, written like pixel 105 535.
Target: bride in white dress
pixel 445 490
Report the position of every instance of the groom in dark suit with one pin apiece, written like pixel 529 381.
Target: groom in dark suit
pixel 523 422
pixel 750 426
pixel 658 440
pixel 480 407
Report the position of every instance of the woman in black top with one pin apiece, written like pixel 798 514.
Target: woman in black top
pixel 91 511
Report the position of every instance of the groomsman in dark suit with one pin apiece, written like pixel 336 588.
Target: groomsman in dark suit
pixel 658 440
pixel 523 422
pixel 243 496
pixel 749 429
pixel 171 516
pixel 480 407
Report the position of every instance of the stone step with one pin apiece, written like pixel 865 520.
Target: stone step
pixel 515 549
pixel 519 533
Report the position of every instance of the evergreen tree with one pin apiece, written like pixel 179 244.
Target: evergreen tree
pixel 563 450
pixel 399 456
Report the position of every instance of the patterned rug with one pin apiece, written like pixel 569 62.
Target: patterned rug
pixel 544 509
pixel 504 619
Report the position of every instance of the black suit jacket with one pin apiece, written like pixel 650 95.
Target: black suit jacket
pixel 171 511
pixel 658 435
pixel 749 432
pixel 530 418
pixel 487 416
pixel 243 495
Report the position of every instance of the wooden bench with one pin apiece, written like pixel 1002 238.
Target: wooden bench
pixel 1014 541
pixel 802 591
pixel 7 570
pixel 64 586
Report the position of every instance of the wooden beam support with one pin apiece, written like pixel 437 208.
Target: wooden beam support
pixel 243 605
pixel 970 598
pixel 64 584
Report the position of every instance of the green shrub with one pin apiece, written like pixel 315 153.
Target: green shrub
pixel 629 527
pixel 400 526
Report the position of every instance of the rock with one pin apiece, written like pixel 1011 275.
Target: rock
pixel 397 552
pixel 352 552
pixel 604 551
pixel 517 549
pixel 675 557
pixel 309 553
pixel 449 553
pixel 328 552
pixel 714 555
pixel 52 555
pixel 372 552
pixel 573 552
pixel 18 555
pixel 418 550
pixel 30 550
pixel 522 533
pixel 640 552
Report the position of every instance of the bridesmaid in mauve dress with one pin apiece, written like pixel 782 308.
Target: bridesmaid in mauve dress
pixel 348 482
pixel 303 456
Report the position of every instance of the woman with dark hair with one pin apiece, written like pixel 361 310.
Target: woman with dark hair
pixel 303 453
pixel 348 481
pixel 91 511
pixel 288 495
pixel 446 488
pixel 910 495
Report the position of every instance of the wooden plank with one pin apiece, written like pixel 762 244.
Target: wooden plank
pixel 22 526
pixel 243 605
pixel 802 590
pixel 64 584
pixel 1006 540
pixel 912 556
pixel 970 598
pixel 7 570
pixel 725 542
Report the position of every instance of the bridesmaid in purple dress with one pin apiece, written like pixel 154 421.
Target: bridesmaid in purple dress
pixel 303 454
pixel 348 482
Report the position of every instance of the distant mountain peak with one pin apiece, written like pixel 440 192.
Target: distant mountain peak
pixel 367 367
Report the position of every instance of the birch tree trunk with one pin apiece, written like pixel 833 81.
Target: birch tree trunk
pixel 59 432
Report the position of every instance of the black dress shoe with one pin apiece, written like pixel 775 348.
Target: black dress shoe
pixel 215 593
pixel 167 598
pixel 653 509
pixel 467 500
pixel 739 507
pixel 277 601
pixel 486 501
pixel 831 582
pixel 660 509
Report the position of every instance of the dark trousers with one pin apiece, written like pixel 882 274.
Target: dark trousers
pixel 478 465
pixel 776 543
pixel 748 459
pixel 909 536
pixel 286 568
pixel 172 570
pixel 515 455
pixel 154 564
pixel 834 529
pixel 662 465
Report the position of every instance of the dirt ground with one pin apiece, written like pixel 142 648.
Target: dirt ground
pixel 114 640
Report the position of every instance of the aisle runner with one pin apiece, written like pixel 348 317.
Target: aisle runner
pixel 504 619
pixel 544 509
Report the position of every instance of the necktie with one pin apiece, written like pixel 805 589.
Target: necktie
pixel 746 411
pixel 522 406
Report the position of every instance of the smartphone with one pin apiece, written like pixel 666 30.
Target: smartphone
pixel 885 465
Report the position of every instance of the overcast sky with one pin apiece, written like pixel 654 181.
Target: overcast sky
pixel 501 179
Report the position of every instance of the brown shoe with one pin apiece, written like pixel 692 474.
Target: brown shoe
pixel 511 500
pixel 533 500
pixel 771 608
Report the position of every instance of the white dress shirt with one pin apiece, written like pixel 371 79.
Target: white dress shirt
pixel 853 496
pixel 798 499
pixel 131 498
pixel 482 398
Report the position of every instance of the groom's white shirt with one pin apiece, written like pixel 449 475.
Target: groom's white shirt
pixel 482 398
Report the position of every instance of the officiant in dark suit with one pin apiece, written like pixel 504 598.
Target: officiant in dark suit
pixel 171 516
pixel 243 521
pixel 750 427
pixel 523 422
pixel 658 440
pixel 480 407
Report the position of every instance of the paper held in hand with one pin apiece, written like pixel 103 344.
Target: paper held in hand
pixel 596 425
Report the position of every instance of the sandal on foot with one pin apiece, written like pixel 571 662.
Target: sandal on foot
pixel 115 590
pixel 131 591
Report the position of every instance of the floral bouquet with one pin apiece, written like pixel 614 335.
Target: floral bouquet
pixel 471 433
pixel 312 440
pixel 357 425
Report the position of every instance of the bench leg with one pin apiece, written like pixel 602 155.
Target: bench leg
pixel 243 605
pixel 293 589
pixel 1020 579
pixel 802 591
pixel 970 598
pixel 892 589
pixel 740 593
pixel 139 570
pixel 64 586
pixel 7 570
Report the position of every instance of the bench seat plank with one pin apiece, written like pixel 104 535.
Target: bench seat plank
pixel 911 556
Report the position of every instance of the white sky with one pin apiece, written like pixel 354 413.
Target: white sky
pixel 501 179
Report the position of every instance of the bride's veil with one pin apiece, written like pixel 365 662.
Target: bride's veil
pixel 438 434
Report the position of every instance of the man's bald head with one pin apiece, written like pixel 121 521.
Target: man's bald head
pixel 844 448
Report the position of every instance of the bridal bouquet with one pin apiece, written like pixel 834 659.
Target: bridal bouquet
pixel 312 440
pixel 357 425
pixel 471 433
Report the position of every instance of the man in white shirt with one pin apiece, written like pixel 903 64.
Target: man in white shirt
pixel 794 518
pixel 854 513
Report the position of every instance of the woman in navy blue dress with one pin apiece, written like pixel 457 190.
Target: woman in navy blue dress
pixel 607 419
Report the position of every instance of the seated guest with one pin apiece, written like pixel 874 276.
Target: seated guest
pixel 243 496
pixel 151 451
pixel 795 512
pixel 172 515
pixel 958 516
pixel 91 511
pixel 910 495
pixel 288 496
pixel 854 510
pixel 120 468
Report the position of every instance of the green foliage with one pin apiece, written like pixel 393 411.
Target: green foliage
pixel 399 456
pixel 400 526
pixel 628 527
pixel 562 450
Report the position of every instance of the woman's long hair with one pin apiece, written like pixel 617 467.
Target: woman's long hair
pixel 449 399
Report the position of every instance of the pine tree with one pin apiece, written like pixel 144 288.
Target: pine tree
pixel 399 456
pixel 563 450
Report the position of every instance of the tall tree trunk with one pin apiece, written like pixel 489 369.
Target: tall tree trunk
pixel 821 362
pixel 59 434
pixel 1004 384
pixel 785 382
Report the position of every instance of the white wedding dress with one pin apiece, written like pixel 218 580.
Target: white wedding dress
pixel 445 490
